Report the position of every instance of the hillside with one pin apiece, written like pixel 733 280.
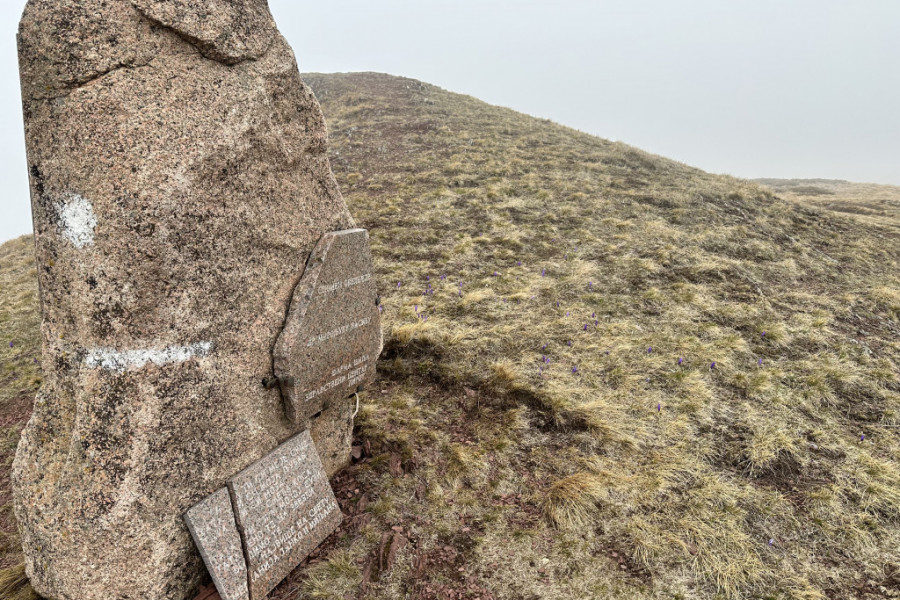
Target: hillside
pixel 606 374
pixel 20 349
pixel 869 202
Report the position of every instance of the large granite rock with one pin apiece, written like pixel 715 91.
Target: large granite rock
pixel 179 181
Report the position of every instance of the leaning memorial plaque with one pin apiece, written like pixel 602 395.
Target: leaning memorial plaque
pixel 284 508
pixel 332 335
pixel 268 519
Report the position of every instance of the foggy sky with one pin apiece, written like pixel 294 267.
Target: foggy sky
pixel 761 88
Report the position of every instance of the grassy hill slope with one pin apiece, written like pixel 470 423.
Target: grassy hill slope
pixel 871 203
pixel 606 374
pixel 20 348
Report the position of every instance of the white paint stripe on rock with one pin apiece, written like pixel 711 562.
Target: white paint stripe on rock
pixel 126 360
pixel 77 220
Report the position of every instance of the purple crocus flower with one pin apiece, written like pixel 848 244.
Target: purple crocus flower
pixel 570 343
pixel 593 315
pixel 544 347
pixel 557 305
pixel 398 285
pixel 772 541
pixel 428 278
pixel 763 334
pixel 607 352
pixel 585 327
pixel 659 407
pixel 680 361
pixel 574 369
pixel 443 277
pixel 543 272
pixel 596 323
pixel 650 350
pixel 496 274
pixel 416 307
pixel 519 263
pixel 712 366
pixel 11 344
pixel 590 284
pixel 381 309
pixel 862 438
pixel 759 362
pixel 567 313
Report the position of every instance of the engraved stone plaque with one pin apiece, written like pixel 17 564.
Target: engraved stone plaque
pixel 211 523
pixel 332 335
pixel 271 515
pixel 284 508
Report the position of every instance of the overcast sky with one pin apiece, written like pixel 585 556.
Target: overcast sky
pixel 754 88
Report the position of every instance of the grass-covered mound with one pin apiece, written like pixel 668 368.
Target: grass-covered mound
pixel 870 203
pixel 606 374
pixel 20 347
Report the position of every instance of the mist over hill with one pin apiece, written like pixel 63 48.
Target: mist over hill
pixel 873 203
pixel 606 373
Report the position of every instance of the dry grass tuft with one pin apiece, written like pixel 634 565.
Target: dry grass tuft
pixel 14 584
pixel 572 502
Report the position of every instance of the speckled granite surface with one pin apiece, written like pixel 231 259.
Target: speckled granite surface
pixel 332 335
pixel 179 181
